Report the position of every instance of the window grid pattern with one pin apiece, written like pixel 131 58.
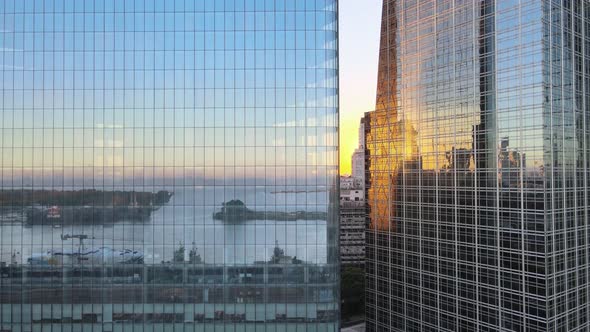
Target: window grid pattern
pixel 477 168
pixel 169 165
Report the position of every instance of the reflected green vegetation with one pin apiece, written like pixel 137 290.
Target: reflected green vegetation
pixel 236 211
pixel 54 207
pixel 82 197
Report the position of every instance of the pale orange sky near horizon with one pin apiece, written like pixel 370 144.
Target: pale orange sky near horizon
pixel 360 21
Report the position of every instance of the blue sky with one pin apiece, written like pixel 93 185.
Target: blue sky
pixel 67 72
pixel 360 21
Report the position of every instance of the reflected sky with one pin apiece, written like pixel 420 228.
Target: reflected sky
pixel 116 85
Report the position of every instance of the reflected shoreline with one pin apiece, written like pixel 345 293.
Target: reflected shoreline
pixel 57 208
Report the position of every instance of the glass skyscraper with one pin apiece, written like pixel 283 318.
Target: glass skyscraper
pixel 478 167
pixel 168 165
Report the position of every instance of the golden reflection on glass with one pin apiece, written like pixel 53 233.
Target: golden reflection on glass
pixel 475 158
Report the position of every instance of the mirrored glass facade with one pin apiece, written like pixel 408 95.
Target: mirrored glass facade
pixel 478 167
pixel 168 165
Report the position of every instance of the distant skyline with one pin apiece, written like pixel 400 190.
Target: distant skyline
pixel 359 49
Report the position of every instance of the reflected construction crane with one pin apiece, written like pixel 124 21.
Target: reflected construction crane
pixel 81 238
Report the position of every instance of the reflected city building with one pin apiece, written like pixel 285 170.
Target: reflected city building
pixel 169 165
pixel 476 168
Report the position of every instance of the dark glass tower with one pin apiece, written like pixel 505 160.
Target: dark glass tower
pixel 168 165
pixel 478 167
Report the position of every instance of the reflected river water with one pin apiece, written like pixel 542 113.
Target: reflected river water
pixel 187 220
